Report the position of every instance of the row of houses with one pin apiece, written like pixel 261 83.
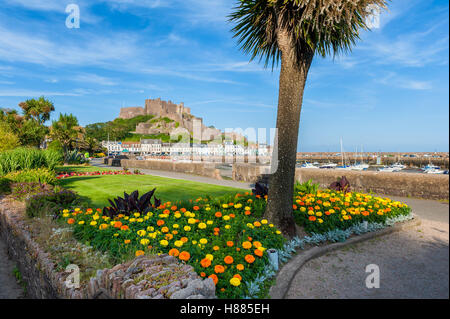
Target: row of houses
pixel 156 147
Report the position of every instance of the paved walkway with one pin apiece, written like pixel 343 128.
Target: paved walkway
pixel 413 263
pixel 9 289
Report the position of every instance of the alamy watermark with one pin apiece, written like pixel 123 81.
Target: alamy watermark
pixel 73 280
pixel 73 19
pixel 373 279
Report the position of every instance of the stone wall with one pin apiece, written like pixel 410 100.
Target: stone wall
pixel 146 277
pixel 428 186
pixel 202 169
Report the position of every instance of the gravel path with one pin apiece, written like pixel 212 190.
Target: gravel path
pixel 413 263
pixel 9 289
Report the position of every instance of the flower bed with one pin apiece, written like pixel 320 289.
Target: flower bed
pixel 224 239
pixel 96 173
pixel 327 210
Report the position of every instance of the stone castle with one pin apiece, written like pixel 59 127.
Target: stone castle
pixel 178 113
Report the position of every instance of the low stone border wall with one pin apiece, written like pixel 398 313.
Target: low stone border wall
pixel 146 277
pixel 287 273
pixel 202 169
pixel 427 186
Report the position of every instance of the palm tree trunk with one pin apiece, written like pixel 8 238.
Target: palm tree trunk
pixel 292 83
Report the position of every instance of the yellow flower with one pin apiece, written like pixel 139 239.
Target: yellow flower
pixel 226 217
pixel 187 228
pixel 145 241
pixel 227 226
pixel 209 222
pixel 177 215
pixel 65 211
pixel 247 208
pixel 178 243
pixel 264 221
pixel 150 228
pixel 210 257
pixel 320 220
pixel 271 225
pixel 137 214
pixel 141 232
pixel 66 215
pixel 225 205
pixel 235 281
pixel 191 221
pixel 208 208
pixel 202 225
pixel 302 209
pixel 278 232
pixel 319 214
pixel 81 222
pixel 164 243
pixel 194 242
pixel 93 223
pixel 203 241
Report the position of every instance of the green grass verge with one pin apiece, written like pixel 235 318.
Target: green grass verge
pixel 98 189
pixel 79 169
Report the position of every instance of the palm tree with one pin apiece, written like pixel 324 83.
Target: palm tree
pixel 293 31
pixel 65 130
pixel 37 109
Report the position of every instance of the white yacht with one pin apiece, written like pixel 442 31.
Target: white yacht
pixel 328 166
pixel 389 169
pixel 308 165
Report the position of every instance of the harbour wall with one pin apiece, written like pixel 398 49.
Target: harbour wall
pixel 427 186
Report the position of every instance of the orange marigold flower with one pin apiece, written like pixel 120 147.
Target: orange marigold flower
pixel 70 221
pixel 202 274
pixel 216 248
pixel 257 244
pixel 247 245
pixel 232 215
pixel 183 210
pixel 174 252
pixel 205 263
pixel 195 208
pixel 124 227
pixel 117 224
pixel 250 259
pixel 294 207
pixel 247 212
pixel 184 239
pixel 166 211
pixel 127 241
pixel 312 218
pixel 173 208
pixel 238 277
pixel 230 243
pixel 214 278
pixel 240 267
pixel 218 214
pixel 258 252
pixel 228 260
pixel 139 253
pixel 218 269
pixel 216 229
pixel 185 256
pixel 160 222
pixel 165 230
pixel 249 238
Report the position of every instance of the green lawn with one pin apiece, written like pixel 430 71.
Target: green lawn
pixel 98 189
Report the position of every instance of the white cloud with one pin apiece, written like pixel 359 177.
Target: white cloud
pixel 94 78
pixel 393 79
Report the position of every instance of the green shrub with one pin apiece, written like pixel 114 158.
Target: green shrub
pixel 307 187
pixel 37 175
pixel 28 158
pixel 51 203
pixel 21 191
pixel 5 186
pixel 74 157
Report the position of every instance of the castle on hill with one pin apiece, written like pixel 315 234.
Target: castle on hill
pixel 180 116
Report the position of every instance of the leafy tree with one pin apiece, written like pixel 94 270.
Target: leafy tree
pixel 29 131
pixel 37 109
pixel 8 140
pixel 65 130
pixel 293 31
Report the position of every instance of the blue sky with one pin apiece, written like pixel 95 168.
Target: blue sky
pixel 389 94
